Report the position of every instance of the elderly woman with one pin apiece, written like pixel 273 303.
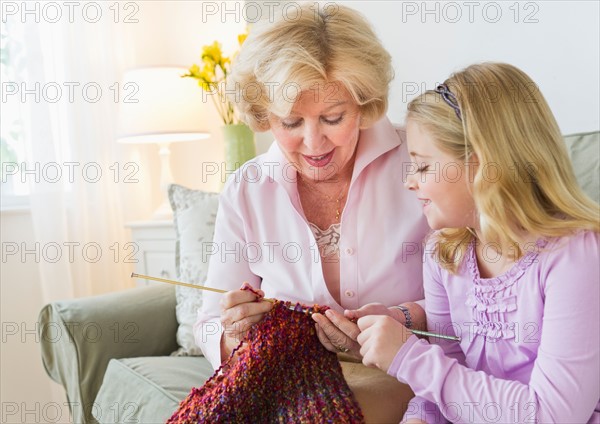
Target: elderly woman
pixel 321 217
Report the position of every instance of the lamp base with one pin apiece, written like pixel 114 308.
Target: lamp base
pixel 164 212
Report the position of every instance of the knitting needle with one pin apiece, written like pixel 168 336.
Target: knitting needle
pixel 292 307
pixel 177 283
pixel 438 336
pixel 425 333
pixel 193 286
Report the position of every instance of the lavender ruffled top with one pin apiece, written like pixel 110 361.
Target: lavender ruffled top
pixel 491 298
pixel 530 339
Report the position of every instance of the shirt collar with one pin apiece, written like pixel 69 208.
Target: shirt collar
pixel 374 141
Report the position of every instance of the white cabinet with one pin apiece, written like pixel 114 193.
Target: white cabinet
pixel 155 241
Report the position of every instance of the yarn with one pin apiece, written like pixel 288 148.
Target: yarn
pixel 283 374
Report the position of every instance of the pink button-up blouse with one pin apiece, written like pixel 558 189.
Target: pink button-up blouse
pixel 262 236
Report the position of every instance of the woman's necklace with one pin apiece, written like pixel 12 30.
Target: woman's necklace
pixel 337 201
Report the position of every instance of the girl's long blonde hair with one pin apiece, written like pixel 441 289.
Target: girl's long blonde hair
pixel 524 183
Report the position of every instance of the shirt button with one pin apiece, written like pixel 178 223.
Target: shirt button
pixel 349 293
pixel 349 251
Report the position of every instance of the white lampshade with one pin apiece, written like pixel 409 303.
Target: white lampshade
pixel 158 106
pixel 168 108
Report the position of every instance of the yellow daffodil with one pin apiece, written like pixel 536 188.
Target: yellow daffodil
pixel 213 53
pixel 212 75
pixel 194 71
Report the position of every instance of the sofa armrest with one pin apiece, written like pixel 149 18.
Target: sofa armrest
pixel 80 336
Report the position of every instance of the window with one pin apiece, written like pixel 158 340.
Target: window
pixel 14 191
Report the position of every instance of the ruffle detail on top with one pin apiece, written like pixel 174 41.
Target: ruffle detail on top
pixel 491 299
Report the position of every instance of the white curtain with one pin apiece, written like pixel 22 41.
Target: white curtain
pixel 69 135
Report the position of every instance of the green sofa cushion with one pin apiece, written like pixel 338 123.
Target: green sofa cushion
pixel 148 389
pixel 80 336
pixel 584 150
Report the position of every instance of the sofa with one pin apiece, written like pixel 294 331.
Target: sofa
pixel 132 376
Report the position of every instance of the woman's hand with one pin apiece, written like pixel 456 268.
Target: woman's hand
pixel 380 339
pixel 241 309
pixel 337 333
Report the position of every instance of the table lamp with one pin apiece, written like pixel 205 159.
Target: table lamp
pixel 158 106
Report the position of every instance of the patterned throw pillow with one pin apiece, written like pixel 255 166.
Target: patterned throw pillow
pixel 194 214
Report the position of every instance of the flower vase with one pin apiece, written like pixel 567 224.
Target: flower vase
pixel 239 145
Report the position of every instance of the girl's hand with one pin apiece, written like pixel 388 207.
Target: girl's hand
pixel 241 309
pixel 369 309
pixel 380 339
pixel 416 312
pixel 337 333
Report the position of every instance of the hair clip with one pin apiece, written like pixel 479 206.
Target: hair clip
pixel 449 98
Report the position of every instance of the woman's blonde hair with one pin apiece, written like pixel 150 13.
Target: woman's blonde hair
pixel 524 182
pixel 302 52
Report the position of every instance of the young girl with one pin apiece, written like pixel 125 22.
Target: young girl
pixel 513 269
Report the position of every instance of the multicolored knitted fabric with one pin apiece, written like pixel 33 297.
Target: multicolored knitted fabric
pixel 283 374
